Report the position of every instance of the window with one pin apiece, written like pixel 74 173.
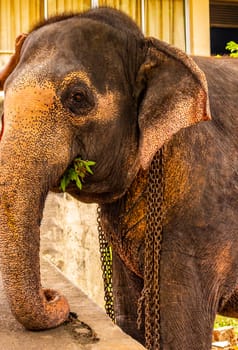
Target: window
pixel 224 24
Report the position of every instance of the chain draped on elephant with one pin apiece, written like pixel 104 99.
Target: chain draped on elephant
pixel 91 85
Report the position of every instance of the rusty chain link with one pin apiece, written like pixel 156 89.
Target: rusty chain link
pixel 150 296
pixel 106 263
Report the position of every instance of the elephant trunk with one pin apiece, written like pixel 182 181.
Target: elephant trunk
pixel 25 178
pixel 21 209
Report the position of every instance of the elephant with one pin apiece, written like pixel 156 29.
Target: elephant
pixel 91 85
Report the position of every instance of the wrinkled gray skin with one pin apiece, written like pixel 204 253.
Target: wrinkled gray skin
pixel 92 85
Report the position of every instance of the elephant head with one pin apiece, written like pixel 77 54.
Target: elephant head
pixel 87 85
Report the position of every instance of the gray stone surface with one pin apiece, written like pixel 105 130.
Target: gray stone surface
pixel 67 337
pixel 69 239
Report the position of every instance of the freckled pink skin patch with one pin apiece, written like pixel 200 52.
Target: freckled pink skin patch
pixel 2 128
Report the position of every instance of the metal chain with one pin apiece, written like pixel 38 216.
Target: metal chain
pixel 150 296
pixel 106 261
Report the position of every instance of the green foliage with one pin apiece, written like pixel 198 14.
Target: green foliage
pixel 222 321
pixel 76 172
pixel 233 48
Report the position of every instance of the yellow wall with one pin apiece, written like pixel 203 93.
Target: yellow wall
pixel 17 16
pixel 199 27
pixel 59 6
pixel 163 19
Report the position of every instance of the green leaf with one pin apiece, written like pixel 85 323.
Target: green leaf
pixel 79 183
pixel 80 173
pixel 76 172
pixel 63 183
pixel 232 46
pixel 89 170
pixel 90 163
pixel 71 174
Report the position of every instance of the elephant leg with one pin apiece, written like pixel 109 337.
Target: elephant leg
pixel 186 316
pixel 127 289
pixel 230 307
pixel 186 321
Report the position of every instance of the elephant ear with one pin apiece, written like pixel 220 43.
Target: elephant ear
pixel 172 94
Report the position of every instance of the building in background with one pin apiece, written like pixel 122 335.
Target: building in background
pixel 200 27
pixel 183 23
pixel 224 24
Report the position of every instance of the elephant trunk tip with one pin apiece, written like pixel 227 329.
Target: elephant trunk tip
pixel 52 313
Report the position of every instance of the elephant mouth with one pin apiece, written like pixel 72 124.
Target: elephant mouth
pixel 93 189
pixel 89 194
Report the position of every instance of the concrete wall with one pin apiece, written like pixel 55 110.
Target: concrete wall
pixel 69 239
pixel 199 27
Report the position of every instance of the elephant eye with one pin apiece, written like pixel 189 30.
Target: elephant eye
pixel 78 97
pixel 78 100
pixel 78 103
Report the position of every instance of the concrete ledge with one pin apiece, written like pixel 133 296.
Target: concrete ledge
pixel 93 330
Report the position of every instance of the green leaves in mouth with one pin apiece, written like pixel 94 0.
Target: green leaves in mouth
pixel 76 172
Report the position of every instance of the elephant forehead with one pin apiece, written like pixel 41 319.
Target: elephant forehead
pixel 77 44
